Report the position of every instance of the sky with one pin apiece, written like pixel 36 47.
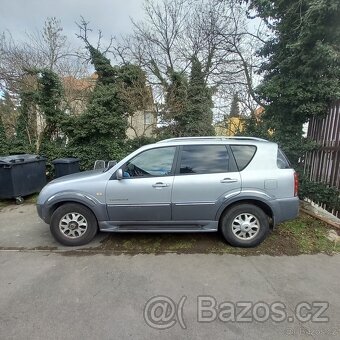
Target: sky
pixel 111 16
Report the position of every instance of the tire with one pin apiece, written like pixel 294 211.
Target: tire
pixel 245 225
pixel 19 200
pixel 73 224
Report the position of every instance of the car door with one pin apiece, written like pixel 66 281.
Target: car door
pixel 206 174
pixel 144 192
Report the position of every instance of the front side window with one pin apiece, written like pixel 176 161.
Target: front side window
pixel 204 159
pixel 150 163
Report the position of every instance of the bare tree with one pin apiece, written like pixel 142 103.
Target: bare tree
pixel 47 48
pixel 217 32
pixel 50 44
pixel 238 71
pixel 84 33
pixel 15 59
pixel 170 35
pixel 154 44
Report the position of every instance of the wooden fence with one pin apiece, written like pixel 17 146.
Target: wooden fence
pixel 323 165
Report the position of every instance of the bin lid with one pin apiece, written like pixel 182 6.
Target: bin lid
pixel 65 160
pixel 18 159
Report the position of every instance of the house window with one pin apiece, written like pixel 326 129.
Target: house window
pixel 148 118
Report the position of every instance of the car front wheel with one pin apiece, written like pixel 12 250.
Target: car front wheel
pixel 245 225
pixel 73 224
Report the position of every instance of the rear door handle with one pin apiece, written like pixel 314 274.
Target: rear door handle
pixel 160 185
pixel 229 180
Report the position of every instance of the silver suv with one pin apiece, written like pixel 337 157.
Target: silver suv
pixel 240 185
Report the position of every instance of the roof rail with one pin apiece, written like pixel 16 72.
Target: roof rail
pixel 221 138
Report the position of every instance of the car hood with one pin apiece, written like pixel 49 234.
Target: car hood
pixel 78 175
pixel 88 182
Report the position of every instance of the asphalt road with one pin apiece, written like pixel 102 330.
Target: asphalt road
pixel 46 294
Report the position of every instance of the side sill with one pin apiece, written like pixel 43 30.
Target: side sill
pixel 156 226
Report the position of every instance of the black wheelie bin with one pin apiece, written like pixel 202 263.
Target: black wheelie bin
pixel 21 175
pixel 65 166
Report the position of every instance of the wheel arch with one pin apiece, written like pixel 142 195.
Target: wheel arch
pixel 99 210
pixel 267 209
pixel 58 204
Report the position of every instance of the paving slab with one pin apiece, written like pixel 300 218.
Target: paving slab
pixel 21 228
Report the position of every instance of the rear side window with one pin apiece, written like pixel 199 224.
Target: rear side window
pixel 204 159
pixel 282 161
pixel 243 154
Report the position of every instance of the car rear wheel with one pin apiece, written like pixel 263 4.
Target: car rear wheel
pixel 245 225
pixel 73 224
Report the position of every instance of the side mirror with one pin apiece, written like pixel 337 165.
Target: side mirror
pixel 119 174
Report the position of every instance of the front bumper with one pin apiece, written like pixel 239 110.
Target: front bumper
pixel 42 213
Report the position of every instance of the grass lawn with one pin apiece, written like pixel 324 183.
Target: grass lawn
pixel 304 235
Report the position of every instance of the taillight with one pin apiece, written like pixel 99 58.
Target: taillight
pixel 296 184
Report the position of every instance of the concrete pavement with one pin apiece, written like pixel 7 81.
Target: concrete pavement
pixel 46 293
pixel 52 296
pixel 21 228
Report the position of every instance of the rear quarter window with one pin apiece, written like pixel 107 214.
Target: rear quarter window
pixel 282 161
pixel 243 155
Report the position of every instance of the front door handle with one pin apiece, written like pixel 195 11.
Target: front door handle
pixel 229 180
pixel 160 185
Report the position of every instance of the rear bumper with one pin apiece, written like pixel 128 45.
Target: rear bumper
pixel 285 209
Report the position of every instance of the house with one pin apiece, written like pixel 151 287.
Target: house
pixel 234 124
pixel 229 126
pixel 77 91
pixel 142 123
pixel 258 113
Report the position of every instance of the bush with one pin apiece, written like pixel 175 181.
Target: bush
pixel 319 193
